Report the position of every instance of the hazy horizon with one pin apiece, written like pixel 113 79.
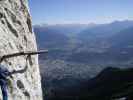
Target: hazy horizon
pixel 91 23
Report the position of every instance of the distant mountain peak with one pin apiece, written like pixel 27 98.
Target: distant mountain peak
pixel 122 21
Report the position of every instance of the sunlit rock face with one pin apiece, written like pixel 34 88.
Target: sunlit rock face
pixel 16 35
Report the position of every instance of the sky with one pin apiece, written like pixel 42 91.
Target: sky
pixel 80 11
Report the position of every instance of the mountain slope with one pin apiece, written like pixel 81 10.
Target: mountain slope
pixel 67 29
pixel 106 30
pixel 123 38
pixel 47 37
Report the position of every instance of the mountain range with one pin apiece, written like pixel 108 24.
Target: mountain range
pixel 80 51
pixel 91 42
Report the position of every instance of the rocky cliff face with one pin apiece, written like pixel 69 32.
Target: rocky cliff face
pixel 16 35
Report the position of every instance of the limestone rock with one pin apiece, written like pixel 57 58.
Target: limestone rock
pixel 16 35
